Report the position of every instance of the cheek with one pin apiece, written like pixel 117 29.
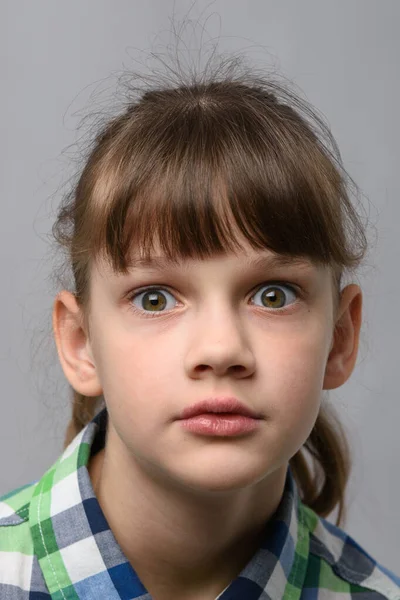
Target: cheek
pixel 132 369
pixel 294 383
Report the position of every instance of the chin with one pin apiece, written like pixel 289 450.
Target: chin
pixel 214 478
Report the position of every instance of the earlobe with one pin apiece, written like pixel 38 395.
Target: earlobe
pixel 73 345
pixel 344 349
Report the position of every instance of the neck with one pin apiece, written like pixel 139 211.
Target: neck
pixel 179 539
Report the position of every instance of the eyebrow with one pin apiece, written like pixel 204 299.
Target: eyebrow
pixel 163 263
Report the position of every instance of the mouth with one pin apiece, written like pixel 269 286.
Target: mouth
pixel 219 406
pixel 220 417
pixel 222 424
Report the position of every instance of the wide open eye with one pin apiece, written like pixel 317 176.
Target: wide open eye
pixel 276 295
pixel 152 300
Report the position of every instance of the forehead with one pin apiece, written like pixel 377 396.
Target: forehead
pixel 243 254
pixel 247 260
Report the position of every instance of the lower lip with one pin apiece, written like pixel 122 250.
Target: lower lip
pixel 220 424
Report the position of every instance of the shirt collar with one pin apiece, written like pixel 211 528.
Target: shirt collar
pixel 78 553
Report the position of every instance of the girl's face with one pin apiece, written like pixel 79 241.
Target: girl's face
pixel 246 325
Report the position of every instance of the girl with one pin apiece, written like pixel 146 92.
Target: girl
pixel 208 236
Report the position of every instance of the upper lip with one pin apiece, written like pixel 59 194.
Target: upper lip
pixel 218 405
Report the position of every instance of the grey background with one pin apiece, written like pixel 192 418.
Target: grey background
pixel 344 55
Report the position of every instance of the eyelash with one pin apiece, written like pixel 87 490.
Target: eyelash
pixel 133 294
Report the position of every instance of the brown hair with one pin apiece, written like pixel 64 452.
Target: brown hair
pixel 181 162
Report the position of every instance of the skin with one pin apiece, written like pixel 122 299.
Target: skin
pixel 188 510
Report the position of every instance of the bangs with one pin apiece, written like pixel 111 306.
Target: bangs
pixel 201 181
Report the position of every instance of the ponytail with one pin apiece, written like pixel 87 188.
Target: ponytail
pixel 84 408
pixel 331 462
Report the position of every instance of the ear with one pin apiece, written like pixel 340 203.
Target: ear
pixel 73 345
pixel 344 348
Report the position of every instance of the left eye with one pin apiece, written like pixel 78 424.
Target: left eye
pixel 152 300
pixel 276 296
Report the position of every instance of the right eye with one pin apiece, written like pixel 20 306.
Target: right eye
pixel 152 300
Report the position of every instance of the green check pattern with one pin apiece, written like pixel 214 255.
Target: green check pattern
pixel 55 543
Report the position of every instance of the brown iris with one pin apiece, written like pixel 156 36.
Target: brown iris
pixel 273 298
pixel 153 301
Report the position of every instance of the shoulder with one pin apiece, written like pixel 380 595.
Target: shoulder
pixel 17 557
pixel 342 565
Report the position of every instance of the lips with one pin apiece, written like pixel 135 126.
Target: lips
pixel 227 405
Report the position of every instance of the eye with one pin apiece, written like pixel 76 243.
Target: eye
pixel 276 295
pixel 152 300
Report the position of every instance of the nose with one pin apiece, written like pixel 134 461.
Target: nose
pixel 219 346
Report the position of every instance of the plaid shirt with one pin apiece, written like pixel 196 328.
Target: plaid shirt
pixel 55 543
